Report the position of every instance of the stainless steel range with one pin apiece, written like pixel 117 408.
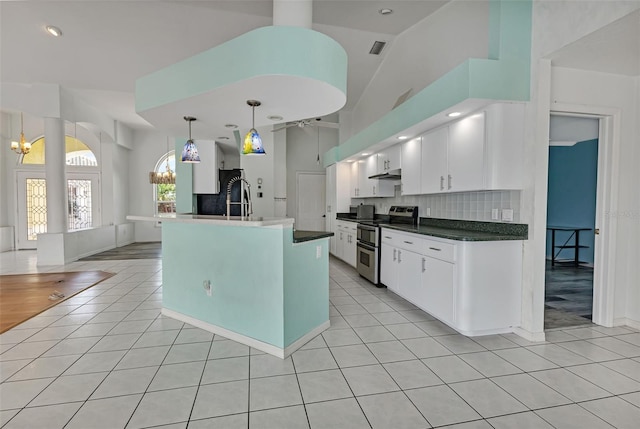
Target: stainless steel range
pixel 368 246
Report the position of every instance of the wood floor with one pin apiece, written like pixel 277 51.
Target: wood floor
pixel 22 296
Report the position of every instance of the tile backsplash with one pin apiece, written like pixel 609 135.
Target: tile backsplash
pixel 476 205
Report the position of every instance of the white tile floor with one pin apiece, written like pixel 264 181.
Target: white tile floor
pixel 106 358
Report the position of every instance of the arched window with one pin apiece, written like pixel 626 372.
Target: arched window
pixel 78 153
pixel 164 194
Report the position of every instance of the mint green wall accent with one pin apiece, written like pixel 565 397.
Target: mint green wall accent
pixel 245 266
pixel 264 287
pixel 306 287
pixel 298 52
pixel 184 180
pixel 505 78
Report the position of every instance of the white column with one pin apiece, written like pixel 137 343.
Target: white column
pixel 294 13
pixel 55 161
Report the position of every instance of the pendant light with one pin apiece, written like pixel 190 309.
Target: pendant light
pixel 190 151
pixel 253 141
pixel 318 157
pixel 23 146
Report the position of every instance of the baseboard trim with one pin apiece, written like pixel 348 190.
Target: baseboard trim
pixel 282 353
pixel 625 321
pixel 530 336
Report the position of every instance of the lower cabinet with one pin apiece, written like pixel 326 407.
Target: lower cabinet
pixel 474 287
pixel 346 241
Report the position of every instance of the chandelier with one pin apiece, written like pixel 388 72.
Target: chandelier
pixel 23 146
pixel 167 177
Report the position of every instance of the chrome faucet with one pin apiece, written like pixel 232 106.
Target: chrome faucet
pixel 249 209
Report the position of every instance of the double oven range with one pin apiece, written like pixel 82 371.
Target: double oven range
pixel 368 246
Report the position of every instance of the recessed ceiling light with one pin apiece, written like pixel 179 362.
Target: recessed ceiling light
pixel 454 114
pixel 275 117
pixel 53 30
pixel 232 126
pixel 365 153
pixel 402 137
pixel 385 11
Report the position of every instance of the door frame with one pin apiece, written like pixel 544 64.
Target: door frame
pixel 606 201
pixel 317 173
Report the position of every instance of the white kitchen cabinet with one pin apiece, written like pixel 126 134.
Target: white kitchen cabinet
pixel 434 161
pixel 362 186
pixel 388 159
pixel 357 169
pixel 205 173
pixel 465 157
pixel 472 286
pixel 411 159
pixel 346 241
pixel 338 197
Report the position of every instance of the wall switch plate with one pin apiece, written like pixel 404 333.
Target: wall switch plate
pixel 318 252
pixel 494 214
pixel 507 215
pixel 428 211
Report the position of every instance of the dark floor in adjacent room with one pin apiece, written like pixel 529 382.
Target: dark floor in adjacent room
pixel 568 296
pixel 143 250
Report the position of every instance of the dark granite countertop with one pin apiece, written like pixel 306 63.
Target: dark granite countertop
pixel 302 236
pixel 466 230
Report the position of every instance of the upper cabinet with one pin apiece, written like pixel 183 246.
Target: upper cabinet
pixel 411 160
pixel 480 152
pixel 388 160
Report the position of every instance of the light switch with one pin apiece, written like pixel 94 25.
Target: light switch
pixel 318 252
pixel 494 214
pixel 507 215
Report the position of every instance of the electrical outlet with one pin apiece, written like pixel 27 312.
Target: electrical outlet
pixel 507 215
pixel 318 252
pixel 207 286
pixel 494 214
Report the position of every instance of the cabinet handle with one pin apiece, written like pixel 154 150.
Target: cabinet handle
pixel 399 254
pixel 449 181
pixel 409 242
pixel 442 183
pixel 340 236
pixel 328 209
pixel 436 249
pixel 374 189
pixel 394 254
pixel 423 268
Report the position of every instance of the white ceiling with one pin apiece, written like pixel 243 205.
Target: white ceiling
pixel 107 45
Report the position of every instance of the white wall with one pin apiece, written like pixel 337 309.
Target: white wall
pixel 302 150
pixel 557 24
pixel 422 54
pixel 148 147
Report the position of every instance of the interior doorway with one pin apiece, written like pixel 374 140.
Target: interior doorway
pixel 310 197
pixel 572 200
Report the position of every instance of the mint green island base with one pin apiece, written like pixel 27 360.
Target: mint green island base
pixel 267 291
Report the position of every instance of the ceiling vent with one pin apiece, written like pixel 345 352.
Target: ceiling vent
pixel 402 98
pixel 377 47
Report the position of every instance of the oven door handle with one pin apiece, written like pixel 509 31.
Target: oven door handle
pixel 366 246
pixel 367 227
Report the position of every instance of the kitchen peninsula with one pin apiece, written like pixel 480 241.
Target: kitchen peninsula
pixel 253 280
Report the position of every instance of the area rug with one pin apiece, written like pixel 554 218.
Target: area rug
pixel 144 250
pixel 23 296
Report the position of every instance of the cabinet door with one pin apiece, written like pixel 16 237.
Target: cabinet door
pixel 340 240
pixel 351 249
pixel 372 166
pixel 437 289
pixel 355 177
pixel 330 211
pixel 389 267
pixel 410 275
pixel 434 161
pixel 466 154
pixel 411 166
pixel 392 156
pixel 365 186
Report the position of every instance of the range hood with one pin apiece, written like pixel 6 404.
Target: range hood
pixel 388 175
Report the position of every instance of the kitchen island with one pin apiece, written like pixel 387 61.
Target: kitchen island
pixel 253 280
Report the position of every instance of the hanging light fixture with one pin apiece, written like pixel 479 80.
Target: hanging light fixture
pixel 190 151
pixel 318 157
pixel 23 146
pixel 253 141
pixel 167 177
